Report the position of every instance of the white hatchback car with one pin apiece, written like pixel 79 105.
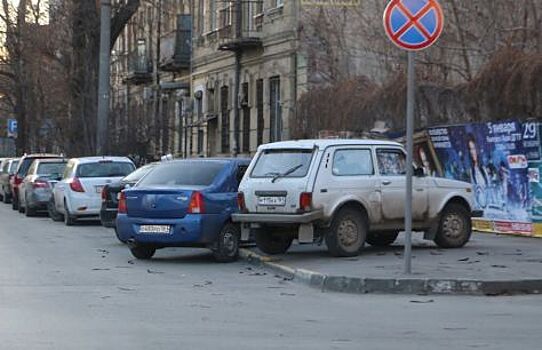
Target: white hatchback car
pixel 78 194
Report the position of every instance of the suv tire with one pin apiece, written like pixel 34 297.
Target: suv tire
pixel 142 252
pixel 347 233
pixel 226 247
pixel 455 227
pixel 382 239
pixel 272 243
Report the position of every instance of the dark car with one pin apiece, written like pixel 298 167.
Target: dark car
pixel 37 187
pixel 183 203
pixel 7 171
pixel 111 192
pixel 22 170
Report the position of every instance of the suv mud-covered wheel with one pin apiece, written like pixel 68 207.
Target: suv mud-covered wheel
pixel 455 227
pixel 382 239
pixel 226 247
pixel 142 252
pixel 272 243
pixel 347 233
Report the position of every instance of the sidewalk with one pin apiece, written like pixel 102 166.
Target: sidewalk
pixel 489 265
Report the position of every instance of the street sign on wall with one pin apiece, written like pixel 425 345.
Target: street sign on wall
pixel 12 128
pixel 413 24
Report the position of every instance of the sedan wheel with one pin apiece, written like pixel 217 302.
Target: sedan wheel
pixel 226 247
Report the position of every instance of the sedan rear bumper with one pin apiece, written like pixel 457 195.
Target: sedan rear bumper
pixel 190 230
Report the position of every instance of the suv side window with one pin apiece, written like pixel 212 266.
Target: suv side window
pixel 391 162
pixel 353 162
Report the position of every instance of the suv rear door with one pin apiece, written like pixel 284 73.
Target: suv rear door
pixel 346 173
pixel 277 179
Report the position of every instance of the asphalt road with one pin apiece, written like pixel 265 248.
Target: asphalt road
pixel 77 288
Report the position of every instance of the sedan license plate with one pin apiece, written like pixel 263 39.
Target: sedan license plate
pixel 272 201
pixel 154 229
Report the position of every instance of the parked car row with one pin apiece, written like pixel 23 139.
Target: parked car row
pixel 342 192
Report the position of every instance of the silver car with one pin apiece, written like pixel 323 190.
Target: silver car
pixel 37 186
pixel 7 170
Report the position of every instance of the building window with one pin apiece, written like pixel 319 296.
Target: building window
pixel 200 141
pixel 199 106
pixel 259 111
pixel 200 17
pixel 212 15
pixel 246 118
pixel 211 101
pixel 225 118
pixel 275 116
pixel 180 111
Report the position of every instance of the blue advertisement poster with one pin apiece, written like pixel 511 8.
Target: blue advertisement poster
pixel 492 157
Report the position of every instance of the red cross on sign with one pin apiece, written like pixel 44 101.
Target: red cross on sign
pixel 413 24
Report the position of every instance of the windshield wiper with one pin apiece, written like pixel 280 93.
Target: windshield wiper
pixel 286 173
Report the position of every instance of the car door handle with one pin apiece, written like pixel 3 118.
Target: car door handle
pixel 386 182
pixel 419 189
pixel 323 190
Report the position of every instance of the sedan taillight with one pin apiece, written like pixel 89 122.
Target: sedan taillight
pixel 40 184
pixel 123 209
pixel 241 202
pixel 196 205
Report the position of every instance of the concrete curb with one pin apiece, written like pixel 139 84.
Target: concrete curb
pixel 426 286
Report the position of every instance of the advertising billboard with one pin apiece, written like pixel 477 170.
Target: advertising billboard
pixel 491 156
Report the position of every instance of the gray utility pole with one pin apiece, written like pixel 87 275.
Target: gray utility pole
pixel 411 85
pixel 103 77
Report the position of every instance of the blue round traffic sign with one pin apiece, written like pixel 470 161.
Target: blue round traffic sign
pixel 413 24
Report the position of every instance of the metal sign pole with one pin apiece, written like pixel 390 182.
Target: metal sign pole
pixel 411 85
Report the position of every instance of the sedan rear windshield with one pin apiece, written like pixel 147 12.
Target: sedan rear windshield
pixel 51 168
pixel 105 169
pixel 283 163
pixel 139 173
pixel 184 173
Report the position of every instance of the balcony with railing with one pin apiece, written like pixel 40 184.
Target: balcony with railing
pixel 175 47
pixel 241 25
pixel 139 65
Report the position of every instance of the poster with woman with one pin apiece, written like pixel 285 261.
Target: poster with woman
pixel 492 158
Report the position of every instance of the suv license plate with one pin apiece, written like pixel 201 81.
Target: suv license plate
pixel 154 229
pixel 272 201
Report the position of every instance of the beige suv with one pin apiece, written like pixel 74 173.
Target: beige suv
pixel 346 193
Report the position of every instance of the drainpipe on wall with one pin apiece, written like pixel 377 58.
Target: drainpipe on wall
pixel 236 123
pixel 158 97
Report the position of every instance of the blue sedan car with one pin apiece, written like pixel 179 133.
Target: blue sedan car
pixel 183 203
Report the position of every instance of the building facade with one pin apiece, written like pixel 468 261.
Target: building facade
pixel 150 79
pixel 246 75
